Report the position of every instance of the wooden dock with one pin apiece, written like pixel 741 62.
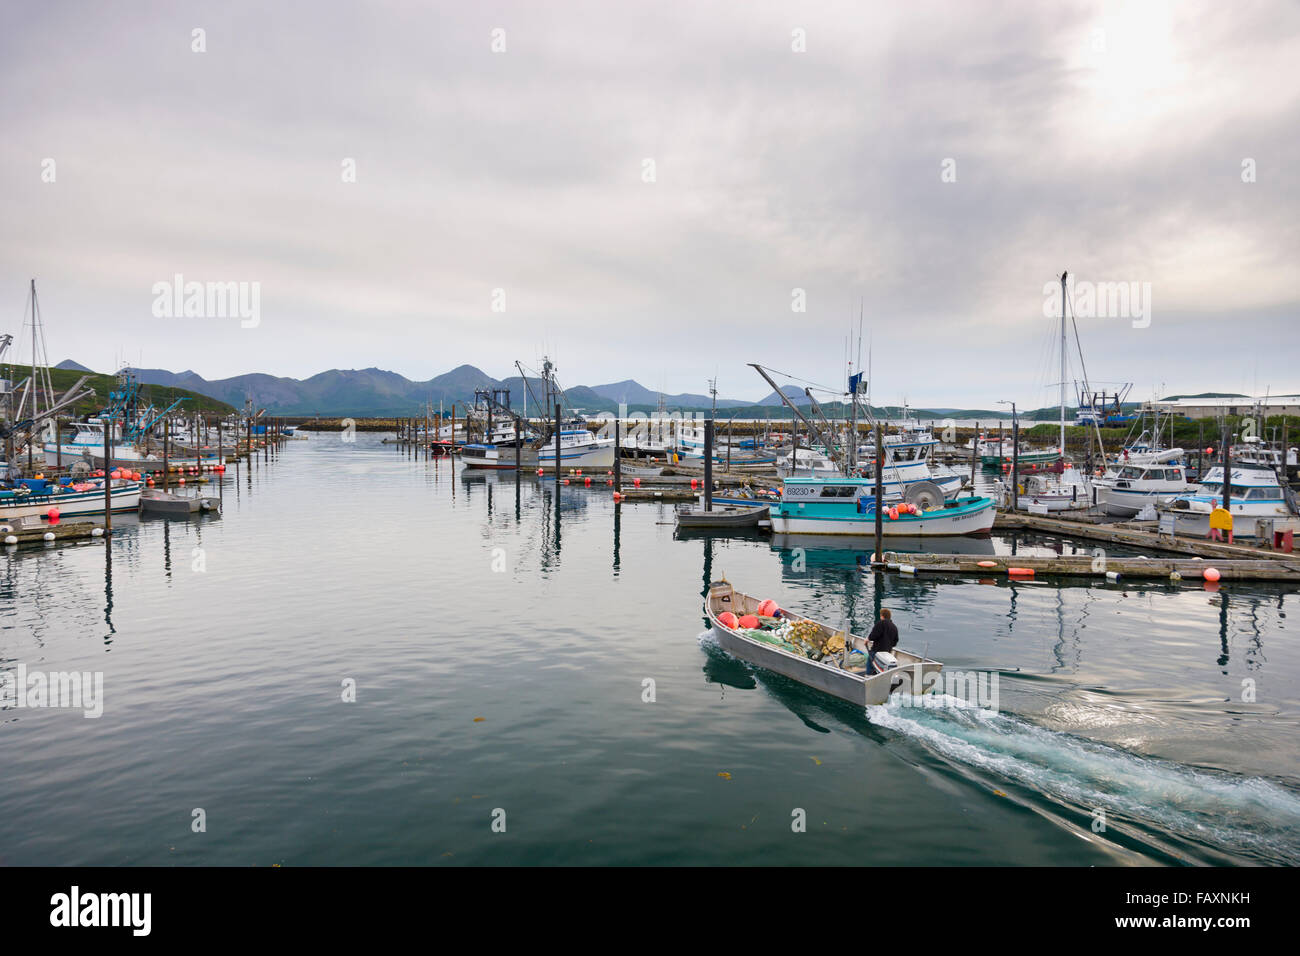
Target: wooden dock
pixel 1082 565
pixel 1132 534
pixel 35 533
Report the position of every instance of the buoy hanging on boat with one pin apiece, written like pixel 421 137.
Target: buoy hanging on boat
pixel 1021 572
pixel 52 514
pixel 987 564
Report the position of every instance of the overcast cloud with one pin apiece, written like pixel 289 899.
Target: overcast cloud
pixel 1107 139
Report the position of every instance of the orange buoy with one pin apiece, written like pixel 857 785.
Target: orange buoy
pixel 180 481
pixel 1211 574
pixel 1021 572
pixel 749 621
pixel 52 514
pixel 768 608
pixel 727 619
pixel 587 481
pixel 618 496
pixel 694 483
pixel 636 482
pixel 987 564
pixel 149 482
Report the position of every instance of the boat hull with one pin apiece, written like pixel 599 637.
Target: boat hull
pixel 123 457
pixel 125 497
pixel 970 517
pixel 729 516
pixel 1123 503
pixel 910 677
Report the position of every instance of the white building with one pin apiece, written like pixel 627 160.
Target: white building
pixel 1266 405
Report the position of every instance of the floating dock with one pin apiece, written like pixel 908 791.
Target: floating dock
pixel 1082 565
pixel 1092 528
pixel 35 533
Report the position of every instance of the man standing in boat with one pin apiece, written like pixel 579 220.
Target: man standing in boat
pixel 883 637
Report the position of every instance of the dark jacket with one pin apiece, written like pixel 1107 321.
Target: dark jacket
pixel 884 636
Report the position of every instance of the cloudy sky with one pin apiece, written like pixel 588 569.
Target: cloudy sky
pixel 639 189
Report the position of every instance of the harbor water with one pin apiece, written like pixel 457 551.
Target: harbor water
pixel 534 683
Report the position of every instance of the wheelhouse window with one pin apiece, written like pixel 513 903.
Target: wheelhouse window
pixel 838 491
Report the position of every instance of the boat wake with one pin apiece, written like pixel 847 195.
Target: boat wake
pixel 1192 813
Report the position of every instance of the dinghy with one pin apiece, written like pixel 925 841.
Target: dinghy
pixel 726 516
pixel 814 654
pixel 156 501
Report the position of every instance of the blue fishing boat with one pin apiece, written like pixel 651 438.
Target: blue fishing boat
pixel 848 506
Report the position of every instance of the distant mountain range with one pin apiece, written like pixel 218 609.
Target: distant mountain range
pixel 373 392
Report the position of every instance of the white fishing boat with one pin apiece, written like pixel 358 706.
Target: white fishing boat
pixel 1255 493
pixel 848 506
pixel 805 463
pixel 579 448
pixel 1253 450
pixel 688 446
pixel 66 497
pixel 87 444
pixel 1046 492
pixel 1126 490
pixel 814 654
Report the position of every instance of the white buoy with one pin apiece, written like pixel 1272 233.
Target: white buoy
pixel 907 568
pixel 96 532
pixel 1112 575
pixel 49 536
pixel 11 539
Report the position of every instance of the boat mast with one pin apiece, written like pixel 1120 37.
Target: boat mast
pixel 1063 275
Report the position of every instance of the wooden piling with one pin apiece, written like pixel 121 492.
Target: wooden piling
pixel 708 464
pixel 618 455
pixel 108 470
pixel 880 492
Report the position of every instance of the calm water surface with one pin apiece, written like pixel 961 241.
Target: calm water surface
pixel 449 598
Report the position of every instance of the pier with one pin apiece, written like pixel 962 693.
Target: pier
pixel 1107 568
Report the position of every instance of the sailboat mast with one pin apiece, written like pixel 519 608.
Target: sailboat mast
pixel 1063 275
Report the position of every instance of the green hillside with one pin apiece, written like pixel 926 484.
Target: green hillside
pixel 160 395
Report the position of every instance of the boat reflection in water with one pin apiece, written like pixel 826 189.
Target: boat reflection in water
pixel 865 547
